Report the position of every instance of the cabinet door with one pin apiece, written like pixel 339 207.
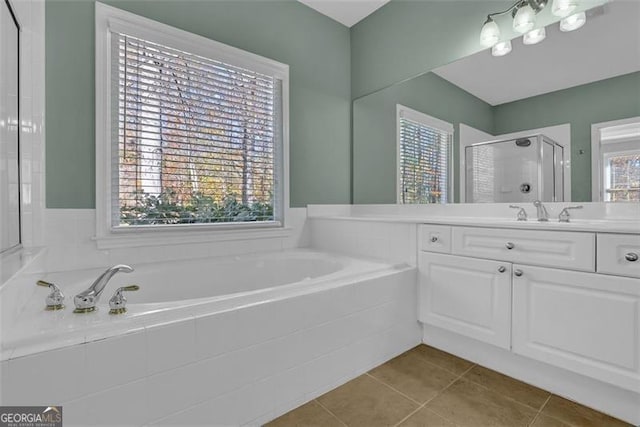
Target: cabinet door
pixel 584 322
pixel 468 296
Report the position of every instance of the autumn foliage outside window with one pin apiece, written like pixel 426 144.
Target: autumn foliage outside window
pixel 197 139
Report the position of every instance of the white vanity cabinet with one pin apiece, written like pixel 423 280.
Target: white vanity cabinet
pixel 540 294
pixel 584 322
pixel 465 295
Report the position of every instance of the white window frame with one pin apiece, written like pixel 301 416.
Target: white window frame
pixel 422 118
pixel 110 19
pixel 597 154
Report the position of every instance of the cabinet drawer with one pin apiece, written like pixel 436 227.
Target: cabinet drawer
pixel 584 322
pixel 435 238
pixel 574 251
pixel 619 254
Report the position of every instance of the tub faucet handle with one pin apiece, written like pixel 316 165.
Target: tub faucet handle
pixel 522 214
pixel 118 303
pixel 55 299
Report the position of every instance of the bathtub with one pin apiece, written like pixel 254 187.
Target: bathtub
pixel 272 330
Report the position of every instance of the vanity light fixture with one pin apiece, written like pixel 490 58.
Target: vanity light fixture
pixel 573 22
pixel 563 8
pixel 534 36
pixel 524 14
pixel 501 49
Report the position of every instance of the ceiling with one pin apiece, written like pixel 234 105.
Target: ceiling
pixel 346 12
pixel 607 46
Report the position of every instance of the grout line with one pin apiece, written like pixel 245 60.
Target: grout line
pixel 330 413
pixel 436 395
pixel 540 410
pixel 393 388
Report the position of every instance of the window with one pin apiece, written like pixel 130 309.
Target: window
pixel 195 130
pixel 425 172
pixel 617 161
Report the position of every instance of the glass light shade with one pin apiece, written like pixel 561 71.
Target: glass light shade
pixel 534 36
pixel 524 20
pixel 563 8
pixel 490 33
pixel 573 22
pixel 501 49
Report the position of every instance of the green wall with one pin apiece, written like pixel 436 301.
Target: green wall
pixel 405 38
pixel 606 100
pixel 316 48
pixel 374 130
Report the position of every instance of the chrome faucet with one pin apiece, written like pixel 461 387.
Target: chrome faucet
pixel 543 215
pixel 522 214
pixel 86 301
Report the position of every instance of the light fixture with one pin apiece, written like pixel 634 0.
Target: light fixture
pixel 490 33
pixel 563 8
pixel 534 36
pixel 524 19
pixel 524 14
pixel 573 22
pixel 501 49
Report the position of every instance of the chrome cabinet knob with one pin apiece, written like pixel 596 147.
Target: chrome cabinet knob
pixel 502 269
pixel 118 303
pixel 518 273
pixel 631 257
pixel 434 239
pixel 510 245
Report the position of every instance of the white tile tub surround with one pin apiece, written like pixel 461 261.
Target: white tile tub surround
pixel 70 244
pixel 241 367
pixel 393 242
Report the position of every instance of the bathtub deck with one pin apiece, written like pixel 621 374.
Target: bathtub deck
pixel 428 387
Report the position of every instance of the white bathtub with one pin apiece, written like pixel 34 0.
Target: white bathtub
pixel 271 330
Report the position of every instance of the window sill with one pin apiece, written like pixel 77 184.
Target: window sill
pixel 128 237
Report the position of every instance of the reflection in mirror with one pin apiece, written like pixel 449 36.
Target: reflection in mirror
pixel 553 91
pixel 9 130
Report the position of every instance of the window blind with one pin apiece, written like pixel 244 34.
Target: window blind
pixel 197 139
pixel 424 155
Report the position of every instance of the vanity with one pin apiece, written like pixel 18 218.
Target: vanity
pixel 568 299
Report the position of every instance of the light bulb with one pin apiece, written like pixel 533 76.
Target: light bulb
pixel 501 49
pixel 534 36
pixel 563 8
pixel 524 19
pixel 573 22
pixel 490 33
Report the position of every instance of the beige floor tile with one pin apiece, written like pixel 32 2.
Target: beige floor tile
pixel 544 421
pixel 308 415
pixel 469 404
pixel 442 359
pixel 578 415
pixel 426 418
pixel 507 386
pixel 411 375
pixel 366 402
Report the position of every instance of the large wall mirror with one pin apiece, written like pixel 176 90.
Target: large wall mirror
pixel 557 121
pixel 9 129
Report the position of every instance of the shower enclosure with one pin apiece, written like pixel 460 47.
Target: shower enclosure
pixel 515 170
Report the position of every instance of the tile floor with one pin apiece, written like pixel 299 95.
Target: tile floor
pixel 428 387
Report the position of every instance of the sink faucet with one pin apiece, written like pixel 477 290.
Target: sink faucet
pixel 86 300
pixel 543 215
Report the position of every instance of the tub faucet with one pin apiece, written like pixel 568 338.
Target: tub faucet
pixel 86 301
pixel 543 215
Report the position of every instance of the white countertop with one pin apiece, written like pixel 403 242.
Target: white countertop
pixel 626 226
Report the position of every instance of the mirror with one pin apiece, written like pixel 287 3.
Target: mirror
pixel 512 128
